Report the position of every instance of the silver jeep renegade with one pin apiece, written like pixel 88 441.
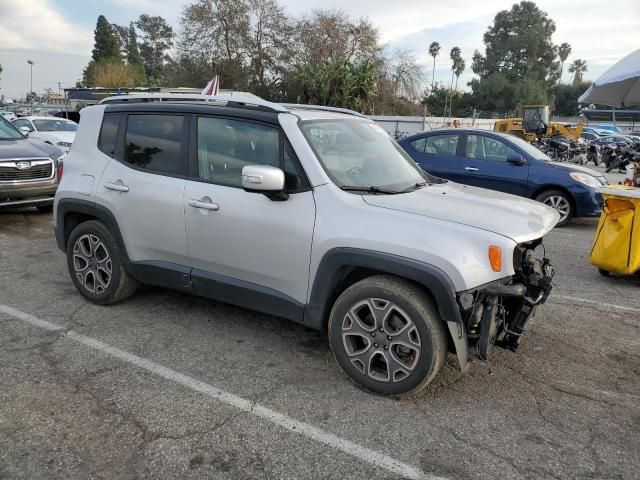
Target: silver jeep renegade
pixel 304 212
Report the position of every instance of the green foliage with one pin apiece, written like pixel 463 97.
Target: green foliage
pixel 578 67
pixel 107 45
pixel 157 38
pixel 110 73
pixel 519 65
pixel 338 83
pixel 566 98
pixel 462 103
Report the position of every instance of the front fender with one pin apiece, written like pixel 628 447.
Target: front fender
pixel 338 262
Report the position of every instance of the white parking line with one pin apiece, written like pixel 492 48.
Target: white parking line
pixel 595 302
pixel 367 455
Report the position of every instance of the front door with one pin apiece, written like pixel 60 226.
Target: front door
pixel 485 165
pixel 243 243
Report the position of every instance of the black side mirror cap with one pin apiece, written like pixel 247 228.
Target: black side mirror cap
pixel 516 159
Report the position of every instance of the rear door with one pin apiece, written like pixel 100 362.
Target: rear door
pixel 438 154
pixel 143 184
pixel 485 165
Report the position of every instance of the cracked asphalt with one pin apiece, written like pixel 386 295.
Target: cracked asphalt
pixel 565 405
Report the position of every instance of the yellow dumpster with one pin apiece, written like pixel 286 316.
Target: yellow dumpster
pixel 616 246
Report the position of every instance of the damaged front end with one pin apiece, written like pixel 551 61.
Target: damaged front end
pixel 498 313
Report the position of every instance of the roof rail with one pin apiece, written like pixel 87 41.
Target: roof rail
pixel 346 111
pixel 229 100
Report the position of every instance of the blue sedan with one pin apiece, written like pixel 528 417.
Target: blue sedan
pixel 506 163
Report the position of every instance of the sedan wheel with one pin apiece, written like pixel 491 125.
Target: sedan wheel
pixel 560 202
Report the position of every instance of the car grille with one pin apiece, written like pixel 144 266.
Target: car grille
pixel 10 173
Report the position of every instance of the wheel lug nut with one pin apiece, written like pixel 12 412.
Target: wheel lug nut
pixel 373 334
pixel 389 337
pixel 381 330
pixel 386 347
pixel 375 345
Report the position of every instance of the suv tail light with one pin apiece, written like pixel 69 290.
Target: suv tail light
pixel 59 170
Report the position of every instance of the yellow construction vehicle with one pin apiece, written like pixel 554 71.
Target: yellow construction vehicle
pixel 535 125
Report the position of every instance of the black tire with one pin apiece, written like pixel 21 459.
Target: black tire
pixel 45 208
pixel 603 272
pixel 120 286
pixel 548 195
pixel 614 164
pixel 402 298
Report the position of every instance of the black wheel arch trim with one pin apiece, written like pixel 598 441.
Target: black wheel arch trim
pixel 337 263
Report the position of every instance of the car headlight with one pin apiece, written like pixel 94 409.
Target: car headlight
pixel 64 144
pixel 585 179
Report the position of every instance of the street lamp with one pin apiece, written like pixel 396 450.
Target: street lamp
pixel 30 62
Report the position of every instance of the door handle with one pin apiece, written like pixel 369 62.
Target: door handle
pixel 117 186
pixel 204 205
pixel 471 169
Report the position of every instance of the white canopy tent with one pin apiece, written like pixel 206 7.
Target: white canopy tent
pixel 617 87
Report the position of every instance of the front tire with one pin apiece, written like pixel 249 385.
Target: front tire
pixel 387 336
pixel 96 266
pixel 560 202
pixel 45 208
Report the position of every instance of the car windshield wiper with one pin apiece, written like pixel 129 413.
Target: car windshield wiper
pixel 369 189
pixel 413 187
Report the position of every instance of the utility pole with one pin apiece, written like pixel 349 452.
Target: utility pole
pixel 30 62
pixel 59 83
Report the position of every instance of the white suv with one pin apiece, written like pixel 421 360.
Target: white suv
pixel 307 213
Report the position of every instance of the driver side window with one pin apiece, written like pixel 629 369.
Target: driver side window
pixel 481 147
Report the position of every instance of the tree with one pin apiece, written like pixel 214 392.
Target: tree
pixel 110 74
pixel 157 38
pixel 106 44
pixel 434 51
pixel 459 69
pixel 566 98
pixel 578 67
pixel 564 50
pixel 519 64
pixel 406 75
pixel 134 59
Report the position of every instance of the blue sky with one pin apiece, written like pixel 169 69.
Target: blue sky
pixel 58 34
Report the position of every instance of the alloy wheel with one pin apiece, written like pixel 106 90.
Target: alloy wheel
pixel 381 340
pixel 560 204
pixel 92 263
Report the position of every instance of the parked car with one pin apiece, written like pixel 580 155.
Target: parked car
pixel 609 128
pixel 620 140
pixel 55 131
pixel 596 131
pixel 305 213
pixel 7 115
pixel 29 169
pixel 497 161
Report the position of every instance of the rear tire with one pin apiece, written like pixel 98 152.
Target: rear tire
pixel 96 265
pixel 560 202
pixel 387 336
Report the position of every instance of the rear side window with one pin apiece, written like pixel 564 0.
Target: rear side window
pixel 155 143
pixel 419 144
pixel 442 145
pixel 109 134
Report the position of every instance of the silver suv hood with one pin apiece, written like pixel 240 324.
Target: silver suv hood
pixel 514 217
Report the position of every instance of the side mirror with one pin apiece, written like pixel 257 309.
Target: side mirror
pixel 264 179
pixel 25 131
pixel 516 159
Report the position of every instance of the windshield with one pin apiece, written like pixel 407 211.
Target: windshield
pixel 357 153
pixel 8 131
pixel 56 125
pixel 529 149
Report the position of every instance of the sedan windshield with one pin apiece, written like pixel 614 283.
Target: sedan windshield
pixel 529 149
pixel 56 125
pixel 8 131
pixel 360 155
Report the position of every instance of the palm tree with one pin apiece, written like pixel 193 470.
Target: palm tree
pixel 434 51
pixel 563 52
pixel 578 67
pixel 459 68
pixel 456 57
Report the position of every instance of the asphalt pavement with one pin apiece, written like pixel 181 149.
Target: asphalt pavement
pixel 166 386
